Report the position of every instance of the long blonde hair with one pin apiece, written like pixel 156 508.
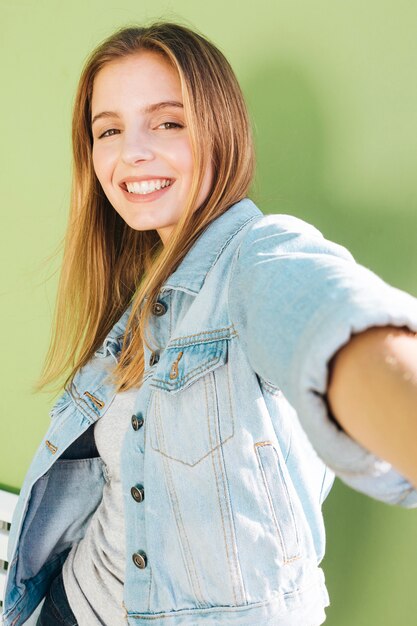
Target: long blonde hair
pixel 106 264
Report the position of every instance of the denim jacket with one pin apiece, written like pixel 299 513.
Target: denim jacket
pixel 231 438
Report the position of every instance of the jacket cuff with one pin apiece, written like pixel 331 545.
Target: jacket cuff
pixel 326 334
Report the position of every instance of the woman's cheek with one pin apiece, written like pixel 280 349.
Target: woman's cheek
pixel 102 164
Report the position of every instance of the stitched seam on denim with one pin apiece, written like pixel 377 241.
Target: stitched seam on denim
pixel 272 389
pixel 148 407
pixel 145 427
pixel 11 564
pixel 235 331
pixel 157 446
pixel 299 592
pixel 82 404
pixel 104 383
pixel 206 332
pixel 16 618
pixel 289 499
pixel 231 237
pixel 171 312
pixel 237 562
pixel 229 399
pixel 174 458
pixel 217 485
pixel 197 370
pixel 146 411
pixel 192 576
pixel 187 344
pixel 56 558
pixel 224 246
pixel 220 484
pixel 287 559
pixel 272 510
pixel 93 406
pixel 219 453
pixel 233 264
pixel 96 401
pixel 20 599
pixel 280 596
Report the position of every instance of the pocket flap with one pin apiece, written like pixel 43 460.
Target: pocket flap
pixel 179 367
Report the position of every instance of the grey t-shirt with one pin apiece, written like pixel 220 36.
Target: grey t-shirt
pixel 93 572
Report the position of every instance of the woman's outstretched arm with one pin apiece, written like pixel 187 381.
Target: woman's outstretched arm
pixel 372 394
pixel 297 301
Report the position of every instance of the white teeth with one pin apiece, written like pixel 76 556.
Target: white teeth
pixel 147 186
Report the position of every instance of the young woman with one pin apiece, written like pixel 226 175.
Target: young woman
pixel 221 366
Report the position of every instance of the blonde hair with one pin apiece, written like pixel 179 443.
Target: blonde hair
pixel 106 264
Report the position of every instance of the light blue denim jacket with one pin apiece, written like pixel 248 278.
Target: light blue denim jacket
pixel 230 439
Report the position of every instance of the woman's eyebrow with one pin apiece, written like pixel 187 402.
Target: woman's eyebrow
pixel 150 108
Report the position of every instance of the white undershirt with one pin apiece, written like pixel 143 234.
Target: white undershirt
pixel 93 572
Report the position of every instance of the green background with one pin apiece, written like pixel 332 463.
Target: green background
pixel 332 93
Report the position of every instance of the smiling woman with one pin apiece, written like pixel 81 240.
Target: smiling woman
pixel 182 476
pixel 157 103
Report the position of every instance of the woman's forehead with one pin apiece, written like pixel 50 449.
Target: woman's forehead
pixel 143 79
pixel 143 64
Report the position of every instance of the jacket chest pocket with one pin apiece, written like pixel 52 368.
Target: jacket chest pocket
pixel 190 413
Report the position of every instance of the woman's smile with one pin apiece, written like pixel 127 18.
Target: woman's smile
pixel 146 186
pixel 146 190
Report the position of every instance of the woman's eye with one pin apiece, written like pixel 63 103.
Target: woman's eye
pixel 171 125
pixel 109 133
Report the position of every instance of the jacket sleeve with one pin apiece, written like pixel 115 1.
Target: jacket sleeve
pixel 295 298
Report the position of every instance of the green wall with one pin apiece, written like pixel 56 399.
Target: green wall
pixel 333 98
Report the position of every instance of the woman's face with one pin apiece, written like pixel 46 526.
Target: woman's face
pixel 141 151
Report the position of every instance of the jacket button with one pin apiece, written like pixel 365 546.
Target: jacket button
pixel 159 308
pixel 139 559
pixel 154 358
pixel 138 493
pixel 137 422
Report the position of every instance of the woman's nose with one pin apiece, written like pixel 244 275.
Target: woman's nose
pixel 136 147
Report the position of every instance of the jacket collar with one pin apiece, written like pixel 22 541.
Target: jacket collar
pixel 193 269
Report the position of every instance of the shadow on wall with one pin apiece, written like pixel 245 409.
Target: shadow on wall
pixel 290 134
pixel 369 544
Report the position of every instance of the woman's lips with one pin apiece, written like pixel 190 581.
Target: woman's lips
pixel 146 197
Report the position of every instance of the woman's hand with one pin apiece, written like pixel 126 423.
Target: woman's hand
pixel 372 393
